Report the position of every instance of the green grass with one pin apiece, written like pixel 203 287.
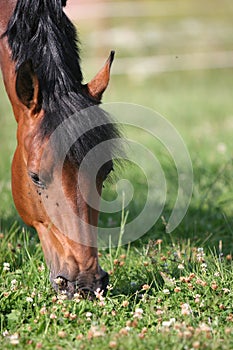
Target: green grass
pixel 164 295
pixel 168 291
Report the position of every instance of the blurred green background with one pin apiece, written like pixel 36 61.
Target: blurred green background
pixel 175 57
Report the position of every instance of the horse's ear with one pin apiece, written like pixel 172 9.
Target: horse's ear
pixel 27 87
pixel 99 83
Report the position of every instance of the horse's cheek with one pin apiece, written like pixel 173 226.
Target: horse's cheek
pixel 26 199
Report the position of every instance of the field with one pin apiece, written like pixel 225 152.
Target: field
pixel 168 290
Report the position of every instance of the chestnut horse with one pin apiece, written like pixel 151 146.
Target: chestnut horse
pixel 40 64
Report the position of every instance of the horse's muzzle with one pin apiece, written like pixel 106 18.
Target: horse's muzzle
pixel 85 285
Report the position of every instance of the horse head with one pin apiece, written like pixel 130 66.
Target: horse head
pixel 59 123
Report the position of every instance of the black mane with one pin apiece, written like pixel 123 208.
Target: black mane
pixel 40 32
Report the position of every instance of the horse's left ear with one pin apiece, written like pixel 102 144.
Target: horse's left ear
pixel 27 87
pixel 99 83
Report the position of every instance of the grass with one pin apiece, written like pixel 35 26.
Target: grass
pixel 168 291
pixel 164 295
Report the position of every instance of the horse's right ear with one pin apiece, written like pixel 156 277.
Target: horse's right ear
pixel 96 87
pixel 27 87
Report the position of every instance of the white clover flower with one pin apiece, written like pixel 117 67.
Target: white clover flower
pixel 97 332
pixel 186 309
pixel 14 284
pixel 58 281
pixel 204 266
pixel 200 254
pixel 41 268
pixel 29 299
pixel 205 328
pixel 168 323
pixel 14 339
pixel 77 297
pixel 181 267
pixel 102 303
pixel 138 313
pixel 6 266
pixel 109 287
pixel 166 291
pixel 62 296
pixel 99 294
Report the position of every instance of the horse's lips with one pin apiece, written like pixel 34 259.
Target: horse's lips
pixel 65 287
pixel 85 285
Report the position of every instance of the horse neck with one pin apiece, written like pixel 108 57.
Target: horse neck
pixel 6 64
pixel 6 10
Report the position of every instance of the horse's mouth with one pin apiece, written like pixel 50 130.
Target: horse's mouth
pixel 85 286
pixel 69 289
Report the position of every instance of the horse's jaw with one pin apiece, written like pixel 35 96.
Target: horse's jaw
pixel 74 267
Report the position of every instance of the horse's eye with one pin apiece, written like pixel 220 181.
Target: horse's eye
pixel 105 170
pixel 108 170
pixel 36 180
